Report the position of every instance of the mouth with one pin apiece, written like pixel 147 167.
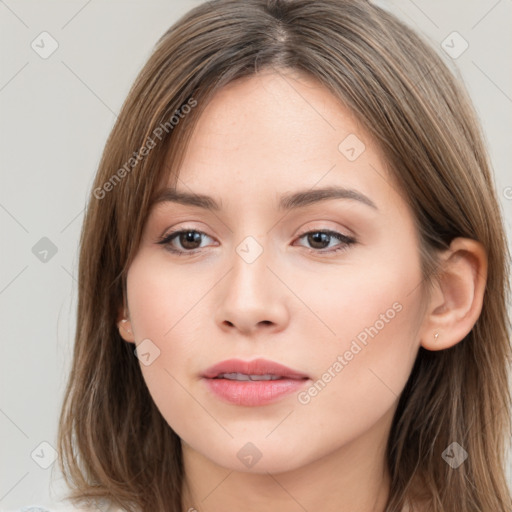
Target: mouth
pixel 252 383
pixel 244 377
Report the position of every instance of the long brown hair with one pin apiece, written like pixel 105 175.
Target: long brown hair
pixel 113 441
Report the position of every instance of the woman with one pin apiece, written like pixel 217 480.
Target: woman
pixel 293 277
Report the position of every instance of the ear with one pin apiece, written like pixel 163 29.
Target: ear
pixel 456 299
pixel 124 325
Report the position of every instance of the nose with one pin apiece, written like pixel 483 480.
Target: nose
pixel 252 298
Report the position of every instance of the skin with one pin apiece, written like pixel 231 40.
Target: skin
pixel 297 304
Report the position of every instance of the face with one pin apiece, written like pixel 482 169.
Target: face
pixel 324 283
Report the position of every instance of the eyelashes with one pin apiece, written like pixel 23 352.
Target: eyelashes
pixel 180 235
pixel 186 237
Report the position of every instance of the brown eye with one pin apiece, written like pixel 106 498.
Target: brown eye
pixel 318 239
pixel 322 239
pixel 188 241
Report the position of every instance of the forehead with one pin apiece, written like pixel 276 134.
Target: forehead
pixel 279 131
pixel 278 116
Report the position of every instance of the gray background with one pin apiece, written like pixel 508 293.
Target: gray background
pixel 56 114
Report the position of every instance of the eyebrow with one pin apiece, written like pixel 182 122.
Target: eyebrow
pixel 288 201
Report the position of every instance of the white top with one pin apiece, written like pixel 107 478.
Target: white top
pixel 69 508
pixel 37 508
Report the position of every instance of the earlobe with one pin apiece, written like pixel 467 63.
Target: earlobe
pixel 457 298
pixel 125 327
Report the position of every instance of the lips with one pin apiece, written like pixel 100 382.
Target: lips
pixel 252 383
pixel 257 367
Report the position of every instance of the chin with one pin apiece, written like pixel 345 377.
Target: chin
pixel 258 457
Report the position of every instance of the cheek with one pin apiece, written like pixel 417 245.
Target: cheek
pixel 161 297
pixel 375 312
pixel 165 308
pixel 376 300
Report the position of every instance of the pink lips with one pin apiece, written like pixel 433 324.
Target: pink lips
pixel 252 392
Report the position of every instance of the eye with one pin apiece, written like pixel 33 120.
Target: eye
pixel 189 241
pixel 322 239
pixel 187 238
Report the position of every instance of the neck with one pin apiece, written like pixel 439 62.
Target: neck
pixel 352 478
